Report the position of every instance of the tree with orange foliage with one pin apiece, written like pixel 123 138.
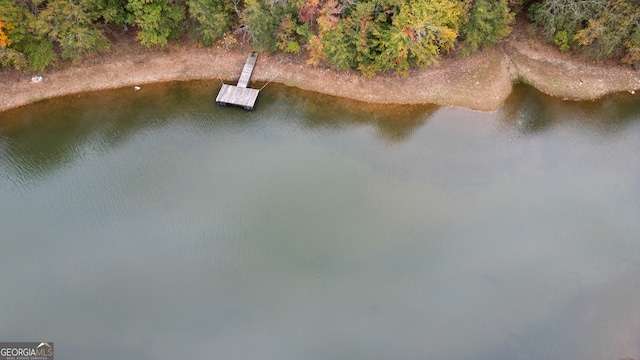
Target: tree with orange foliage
pixel 4 34
pixel 9 56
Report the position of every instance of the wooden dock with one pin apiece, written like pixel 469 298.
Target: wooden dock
pixel 240 94
pixel 247 70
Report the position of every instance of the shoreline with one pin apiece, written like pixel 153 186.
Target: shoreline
pixel 482 81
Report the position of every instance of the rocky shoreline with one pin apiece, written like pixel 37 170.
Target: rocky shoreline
pixel 482 81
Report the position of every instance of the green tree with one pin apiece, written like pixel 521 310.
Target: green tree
pixel 8 56
pixel 12 58
pixel 371 23
pixel 486 22
pixel 339 47
pixel 291 35
pixel 157 20
pixel 345 38
pixel 422 30
pixel 562 19
pixel 73 26
pixel 260 20
pixel 24 45
pixel 377 36
pixel 213 18
pixel 114 12
pixel 612 33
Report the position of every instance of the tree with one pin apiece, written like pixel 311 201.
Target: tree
pixel 562 19
pixel 486 23
pixel 9 57
pixel 614 32
pixel 261 21
pixel 213 18
pixel 343 36
pixel 73 26
pixel 114 12
pixel 338 45
pixel 4 29
pixel 422 31
pixel 157 20
pixel 24 45
pixel 290 34
pixel 375 36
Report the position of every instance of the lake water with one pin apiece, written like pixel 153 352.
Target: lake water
pixel 157 225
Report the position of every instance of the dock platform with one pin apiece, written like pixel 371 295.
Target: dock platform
pixel 240 94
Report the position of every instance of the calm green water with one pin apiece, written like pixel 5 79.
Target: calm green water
pixel 157 225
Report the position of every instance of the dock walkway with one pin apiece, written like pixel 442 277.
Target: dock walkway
pixel 247 70
pixel 240 94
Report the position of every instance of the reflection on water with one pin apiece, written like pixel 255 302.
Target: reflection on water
pixel 52 133
pixel 157 225
pixel 81 120
pixel 394 123
pixel 531 111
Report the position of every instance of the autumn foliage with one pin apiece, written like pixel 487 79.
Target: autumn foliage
pixel 371 36
pixel 4 38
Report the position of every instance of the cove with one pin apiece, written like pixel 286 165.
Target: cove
pixel 158 225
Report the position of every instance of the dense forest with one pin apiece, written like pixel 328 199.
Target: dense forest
pixel 369 35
